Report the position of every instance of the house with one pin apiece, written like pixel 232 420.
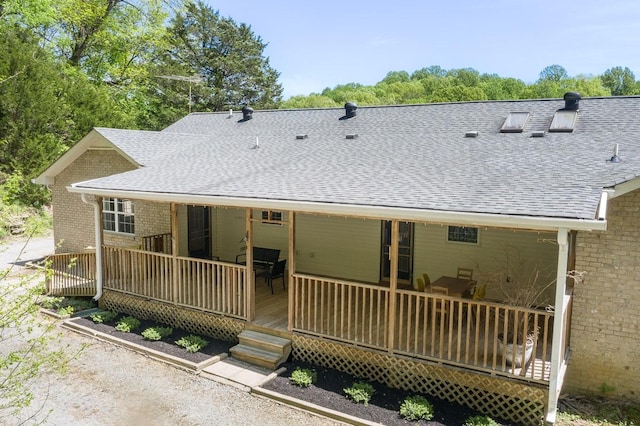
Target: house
pixel 361 202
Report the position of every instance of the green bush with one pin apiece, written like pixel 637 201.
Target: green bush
pixel 480 421
pixel 360 392
pixel 192 343
pixel 127 324
pixel 51 302
pixel 416 408
pixel 102 317
pixel 157 333
pixel 303 377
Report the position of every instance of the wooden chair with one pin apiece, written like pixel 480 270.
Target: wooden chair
pixel 441 307
pixel 276 271
pixel 465 273
pixel 479 294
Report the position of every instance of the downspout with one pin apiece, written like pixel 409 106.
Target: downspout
pixel 558 366
pixel 98 237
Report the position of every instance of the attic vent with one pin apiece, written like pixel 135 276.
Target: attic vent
pixel 537 134
pixel 247 113
pixel 572 101
pixel 515 122
pixel 352 136
pixel 473 134
pixel 349 110
pixel 300 137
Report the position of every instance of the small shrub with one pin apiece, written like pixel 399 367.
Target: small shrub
pixel 416 408
pixel 65 310
pixel 157 333
pixel 192 343
pixel 480 421
pixel 127 324
pixel 102 317
pixel 51 302
pixel 303 377
pixel 360 392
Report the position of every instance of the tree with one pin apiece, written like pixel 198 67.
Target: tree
pixel 620 81
pixel 554 73
pixel 228 56
pixel 25 341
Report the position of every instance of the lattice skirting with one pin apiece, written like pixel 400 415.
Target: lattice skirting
pixel 198 322
pixel 493 396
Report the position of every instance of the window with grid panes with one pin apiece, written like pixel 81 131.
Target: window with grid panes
pixel 118 215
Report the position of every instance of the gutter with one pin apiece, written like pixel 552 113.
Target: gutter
pixel 354 210
pixel 98 226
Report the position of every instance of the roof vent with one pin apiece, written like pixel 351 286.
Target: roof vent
pixel 300 137
pixel 615 158
pixel 230 113
pixel 247 113
pixel 473 134
pixel 352 136
pixel 571 101
pixel 349 110
pixel 537 134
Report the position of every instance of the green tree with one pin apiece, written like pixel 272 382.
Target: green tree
pixel 26 341
pixel 228 56
pixel 620 81
pixel 554 73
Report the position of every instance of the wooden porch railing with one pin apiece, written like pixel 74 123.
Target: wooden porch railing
pixel 160 243
pixel 441 328
pixel 71 274
pixel 212 286
pixel 342 310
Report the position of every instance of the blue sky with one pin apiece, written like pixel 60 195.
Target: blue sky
pixel 317 44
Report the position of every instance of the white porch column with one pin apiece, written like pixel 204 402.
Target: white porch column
pixel 393 281
pixel 558 365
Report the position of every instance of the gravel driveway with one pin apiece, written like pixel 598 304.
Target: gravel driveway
pixel 109 385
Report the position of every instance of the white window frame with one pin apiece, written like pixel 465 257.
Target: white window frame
pixel 118 216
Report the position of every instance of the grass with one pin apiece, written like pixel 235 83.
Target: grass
pixel 594 410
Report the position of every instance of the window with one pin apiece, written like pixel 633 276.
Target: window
pixel 462 234
pixel 270 216
pixel 563 121
pixel 515 122
pixel 117 215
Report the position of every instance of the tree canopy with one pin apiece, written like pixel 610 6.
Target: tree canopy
pixel 69 65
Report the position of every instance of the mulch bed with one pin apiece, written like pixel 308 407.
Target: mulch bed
pixel 383 408
pixel 167 345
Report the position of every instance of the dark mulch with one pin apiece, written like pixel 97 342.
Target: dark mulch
pixel 167 345
pixel 383 408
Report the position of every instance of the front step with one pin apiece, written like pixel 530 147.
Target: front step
pixel 261 349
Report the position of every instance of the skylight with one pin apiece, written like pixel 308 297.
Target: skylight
pixel 563 121
pixel 515 122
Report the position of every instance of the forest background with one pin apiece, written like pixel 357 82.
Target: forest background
pixel 67 66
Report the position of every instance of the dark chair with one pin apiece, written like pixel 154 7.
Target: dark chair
pixel 276 271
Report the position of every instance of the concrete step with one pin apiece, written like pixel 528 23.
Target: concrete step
pixel 256 356
pixel 266 342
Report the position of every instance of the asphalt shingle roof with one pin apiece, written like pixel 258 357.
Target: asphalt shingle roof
pixel 404 157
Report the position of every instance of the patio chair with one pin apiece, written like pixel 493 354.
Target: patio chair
pixel 427 280
pixel 276 271
pixel 441 307
pixel 419 285
pixel 465 273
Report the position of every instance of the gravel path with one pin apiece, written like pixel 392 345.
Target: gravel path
pixel 109 385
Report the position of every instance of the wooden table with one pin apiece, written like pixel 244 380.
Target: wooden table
pixel 458 287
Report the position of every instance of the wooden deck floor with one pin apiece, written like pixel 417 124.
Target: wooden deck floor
pixel 271 309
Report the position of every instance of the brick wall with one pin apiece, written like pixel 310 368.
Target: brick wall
pixel 605 328
pixel 73 220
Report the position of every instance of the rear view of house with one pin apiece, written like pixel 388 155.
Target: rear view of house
pixel 391 242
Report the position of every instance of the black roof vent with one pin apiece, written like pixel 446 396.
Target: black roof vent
pixel 571 101
pixel 247 113
pixel 350 110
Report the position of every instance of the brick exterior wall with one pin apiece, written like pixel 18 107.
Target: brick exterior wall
pixel 606 311
pixel 73 220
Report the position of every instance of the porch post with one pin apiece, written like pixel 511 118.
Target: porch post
pixel 291 268
pixel 558 365
pixel 393 282
pixel 250 277
pixel 174 252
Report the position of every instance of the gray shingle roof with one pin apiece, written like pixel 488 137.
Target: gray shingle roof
pixel 404 156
